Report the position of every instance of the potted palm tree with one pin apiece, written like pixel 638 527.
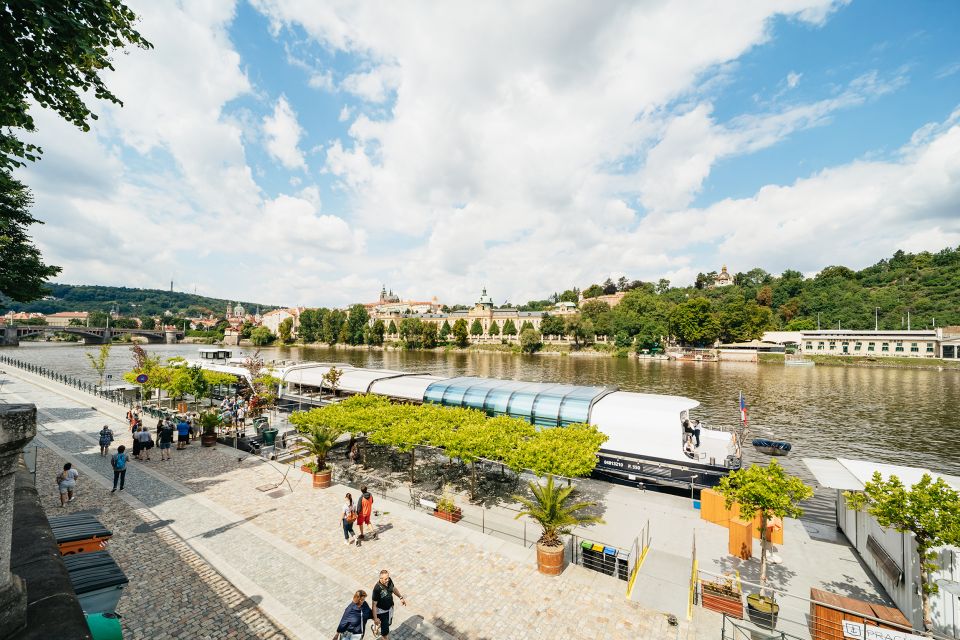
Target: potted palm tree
pixel 319 440
pixel 208 425
pixel 551 509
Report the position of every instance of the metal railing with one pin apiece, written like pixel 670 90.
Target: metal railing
pixel 484 520
pixel 117 396
pixel 799 617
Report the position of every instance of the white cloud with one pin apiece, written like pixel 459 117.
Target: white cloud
pixel 283 134
pixel 344 114
pixel 504 139
pixel 793 79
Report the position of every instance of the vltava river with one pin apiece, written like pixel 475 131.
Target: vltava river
pixel 899 416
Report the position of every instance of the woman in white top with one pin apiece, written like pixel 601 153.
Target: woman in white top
pixel 67 482
pixel 347 516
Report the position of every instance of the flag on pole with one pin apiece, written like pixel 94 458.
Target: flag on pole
pixel 743 409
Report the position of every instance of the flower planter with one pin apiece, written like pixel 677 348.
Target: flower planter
pixel 208 440
pixel 322 479
pixel 722 600
pixel 762 610
pixel 454 517
pixel 550 559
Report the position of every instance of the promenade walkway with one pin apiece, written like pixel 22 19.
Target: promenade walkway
pixel 273 564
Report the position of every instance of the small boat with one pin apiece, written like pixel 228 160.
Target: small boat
pixel 798 363
pixel 772 447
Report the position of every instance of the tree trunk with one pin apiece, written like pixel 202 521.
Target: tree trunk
pixel 413 463
pixel 922 551
pixel 763 554
pixel 473 481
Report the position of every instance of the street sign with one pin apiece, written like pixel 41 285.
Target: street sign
pixel 142 378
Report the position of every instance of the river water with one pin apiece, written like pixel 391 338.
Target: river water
pixel 898 416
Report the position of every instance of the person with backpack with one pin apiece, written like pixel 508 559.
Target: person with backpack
pixel 66 483
pixel 355 617
pixel 119 463
pixel 364 510
pixel 106 437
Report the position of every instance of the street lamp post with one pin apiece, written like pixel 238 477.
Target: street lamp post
pixel 876 318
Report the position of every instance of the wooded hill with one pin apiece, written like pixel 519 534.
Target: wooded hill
pixel 925 285
pixel 127 301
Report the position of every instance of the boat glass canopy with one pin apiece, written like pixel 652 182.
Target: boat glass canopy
pixel 543 404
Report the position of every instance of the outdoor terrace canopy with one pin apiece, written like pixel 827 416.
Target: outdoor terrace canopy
pixel 543 404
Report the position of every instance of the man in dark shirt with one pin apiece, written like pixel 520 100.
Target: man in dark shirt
pixel 165 438
pixel 382 598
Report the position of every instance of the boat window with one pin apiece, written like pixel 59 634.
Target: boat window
pixel 521 404
pixel 546 409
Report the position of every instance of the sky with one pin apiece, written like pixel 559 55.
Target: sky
pixel 308 152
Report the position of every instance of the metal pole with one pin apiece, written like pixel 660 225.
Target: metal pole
pixel 876 318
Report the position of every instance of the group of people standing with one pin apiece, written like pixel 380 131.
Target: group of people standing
pixel 358 613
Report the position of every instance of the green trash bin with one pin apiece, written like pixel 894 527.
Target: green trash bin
pixel 269 436
pixel 104 626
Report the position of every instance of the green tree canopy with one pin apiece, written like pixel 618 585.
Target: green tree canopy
pixel 445 331
pixel 509 328
pixel 494 329
pixel 530 340
pixel 769 491
pixel 22 270
pixel 392 328
pixel 552 326
pixel 52 55
pixel 460 337
pixel 261 336
pixel 929 510
pixel 476 329
pixel 357 321
pixel 285 329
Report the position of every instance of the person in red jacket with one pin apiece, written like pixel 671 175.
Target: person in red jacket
pixel 364 510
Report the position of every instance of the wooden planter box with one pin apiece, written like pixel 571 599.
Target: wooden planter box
pixel 454 517
pixel 722 602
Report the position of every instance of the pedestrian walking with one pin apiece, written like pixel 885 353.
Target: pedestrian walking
pixel 119 463
pixel 696 431
pixel 364 510
pixel 66 483
pixel 183 433
pixel 165 440
pixel 355 617
pixel 382 598
pixel 347 518
pixel 106 437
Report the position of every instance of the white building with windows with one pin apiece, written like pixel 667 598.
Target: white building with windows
pixel 923 343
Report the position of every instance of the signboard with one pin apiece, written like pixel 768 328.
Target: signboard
pixel 861 631
pixel 142 378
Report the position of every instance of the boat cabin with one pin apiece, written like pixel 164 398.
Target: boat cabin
pixel 215 354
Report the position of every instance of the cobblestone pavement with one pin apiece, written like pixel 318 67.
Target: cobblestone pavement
pixel 173 592
pixel 285 546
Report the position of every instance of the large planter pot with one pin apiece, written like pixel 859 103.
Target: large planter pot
pixel 550 559
pixel 322 479
pixel 762 610
pixel 721 600
pixel 454 517
pixel 208 440
pixel 269 436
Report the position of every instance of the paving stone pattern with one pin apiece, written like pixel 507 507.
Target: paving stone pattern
pixel 289 545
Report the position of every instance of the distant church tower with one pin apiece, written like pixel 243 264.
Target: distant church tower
pixel 229 310
pixel 171 286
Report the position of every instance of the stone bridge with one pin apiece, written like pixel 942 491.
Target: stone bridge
pixel 91 335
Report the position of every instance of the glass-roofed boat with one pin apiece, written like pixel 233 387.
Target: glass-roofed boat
pixel 651 437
